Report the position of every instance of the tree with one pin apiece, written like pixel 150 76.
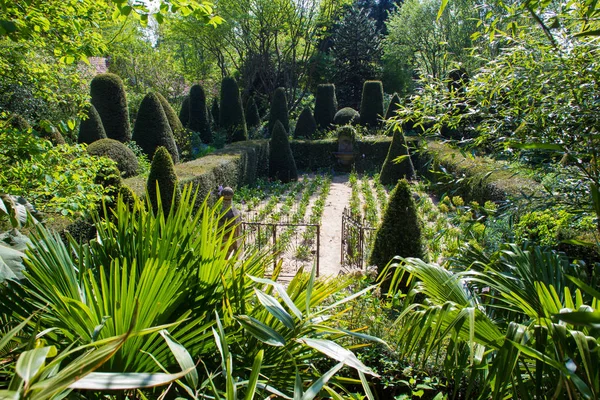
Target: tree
pixel 279 110
pixel 110 100
pixel 231 113
pixel 393 106
pixel 371 104
pixel 162 174
pixel 198 120
pixel 282 165
pixel 251 113
pixel 184 112
pixel 306 126
pixel 393 168
pixel 325 105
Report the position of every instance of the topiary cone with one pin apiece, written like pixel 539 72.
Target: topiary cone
pixel 306 126
pixel 152 128
pixel 198 121
pixel 325 105
pixel 108 96
pixel 91 129
pixel 174 121
pixel 371 104
pixel 400 231
pixel 279 110
pixel 392 171
pixel 231 113
pixel 162 172
pixel 184 113
pixel 282 165
pixel 252 114
pixel 393 106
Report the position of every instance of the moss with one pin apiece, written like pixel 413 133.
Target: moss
pixel 279 110
pixel 184 113
pixel 199 114
pixel 108 96
pixel 371 104
pixel 152 128
pixel 126 160
pixel 400 231
pixel 282 165
pixel 162 174
pixel 393 171
pixel 231 113
pixel 252 115
pixel 306 126
pixel 393 106
pixel 325 105
pixel 214 111
pixel 345 116
pixel 91 129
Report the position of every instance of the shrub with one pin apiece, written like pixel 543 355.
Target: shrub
pixel 126 160
pixel 231 113
pixel 184 113
pixel 393 106
pixel 180 134
pixel 214 111
pixel 162 172
pixel 199 114
pixel 325 105
pixel 279 110
pixel 400 231
pixel 345 116
pixel 108 96
pixel 252 115
pixel 371 104
pixel 152 128
pixel 281 161
pixel 18 122
pixel 174 121
pixel 392 170
pixel 306 126
pixel 91 129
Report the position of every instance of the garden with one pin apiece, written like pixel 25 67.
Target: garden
pixel 309 199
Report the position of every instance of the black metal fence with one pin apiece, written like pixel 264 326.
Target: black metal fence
pixel 356 240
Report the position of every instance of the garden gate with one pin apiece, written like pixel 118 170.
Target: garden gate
pixel 356 239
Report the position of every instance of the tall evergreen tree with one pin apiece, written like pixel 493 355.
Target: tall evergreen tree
pixel 392 170
pixel 371 104
pixel 184 113
pixel 214 111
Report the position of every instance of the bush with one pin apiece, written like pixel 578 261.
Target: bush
pixel 174 121
pixel 371 104
pixel 184 113
pixel 162 172
pixel 231 113
pixel 400 231
pixel 91 129
pixel 345 116
pixel 252 115
pixel 214 111
pixel 126 160
pixel 152 128
pixel 199 114
pixel 279 110
pixel 281 161
pixel 392 171
pixel 306 126
pixel 180 134
pixel 108 96
pixel 325 105
pixel 18 122
pixel 393 106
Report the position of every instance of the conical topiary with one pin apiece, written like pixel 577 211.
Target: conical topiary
pixel 393 106
pixel 252 115
pixel 180 134
pixel 174 121
pixel 108 96
pixel 162 172
pixel 282 165
pixel 127 162
pixel 184 113
pixel 345 116
pixel 91 129
pixel 231 113
pixel 279 110
pixel 325 105
pixel 198 121
pixel 392 170
pixel 306 126
pixel 400 231
pixel 214 111
pixel 152 128
pixel 371 104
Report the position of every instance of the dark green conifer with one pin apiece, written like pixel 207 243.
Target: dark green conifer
pixel 162 172
pixel 371 104
pixel 184 113
pixel 306 126
pixel 174 121
pixel 152 128
pixel 392 171
pixel 198 121
pixel 252 114
pixel 214 111
pixel 279 110
pixel 108 96
pixel 231 113
pixel 126 160
pixel 180 134
pixel 282 165
pixel 91 129
pixel 345 116
pixel 393 106
pixel 325 105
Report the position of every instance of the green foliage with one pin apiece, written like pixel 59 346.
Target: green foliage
pixel 162 181
pixel 282 165
pixel 393 106
pixel 231 113
pixel 122 155
pixel 91 128
pixel 174 121
pixel 152 128
pixel 398 164
pixel 17 122
pixel 279 110
pixel 215 113
pixel 252 114
pixel 345 116
pixel 109 99
pixel 325 105
pixel 184 112
pixel 198 121
pixel 306 126
pixel 371 105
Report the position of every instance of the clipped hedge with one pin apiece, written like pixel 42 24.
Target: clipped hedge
pixel 110 100
pixel 279 110
pixel 126 160
pixel 306 126
pixel 91 129
pixel 346 115
pixel 393 106
pixel 198 118
pixel 162 174
pixel 325 105
pixel 252 114
pixel 282 166
pixel 231 113
pixel 371 105
pixel 184 113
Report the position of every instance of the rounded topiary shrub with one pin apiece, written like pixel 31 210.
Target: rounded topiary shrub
pixel 345 116
pixel 231 113
pixel 279 110
pixel 393 106
pixel 252 115
pixel 400 231
pixel 306 126
pixel 108 96
pixel 162 172
pixel 125 158
pixel 198 121
pixel 325 105
pixel 184 113
pixel 282 165
pixel 91 129
pixel 214 111
pixel 152 128
pixel 392 170
pixel 371 104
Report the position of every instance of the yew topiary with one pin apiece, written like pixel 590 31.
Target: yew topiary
pixel 393 106
pixel 108 96
pixel 306 126
pixel 91 129
pixel 282 165
pixel 252 114
pixel 231 113
pixel 162 172
pixel 325 105
pixel 392 171
pixel 126 160
pixel 198 121
pixel 214 111
pixel 184 113
pixel 279 110
pixel 371 104
pixel 152 128
pixel 345 116
pixel 174 121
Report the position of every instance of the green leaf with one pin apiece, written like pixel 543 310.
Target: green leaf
pixel 580 317
pixel 275 309
pixel 400 159
pixel 537 146
pixel 337 352
pixel 254 375
pixel 183 357
pixel 316 387
pixel 31 361
pixel 261 331
pixel 365 384
pixel 442 8
pixel 12 333
pixel 282 293
pixel 126 380
pixel 11 263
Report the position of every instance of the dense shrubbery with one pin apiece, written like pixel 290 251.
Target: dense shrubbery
pixel 282 165
pixel 325 106
pixel 198 119
pixel 231 113
pixel 126 160
pixel 306 126
pixel 371 105
pixel 110 100
pixel 279 110
pixel 394 168
pixel 252 114
pixel 345 116
pixel 91 129
pixel 184 112
pixel 393 106
pixel 162 179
